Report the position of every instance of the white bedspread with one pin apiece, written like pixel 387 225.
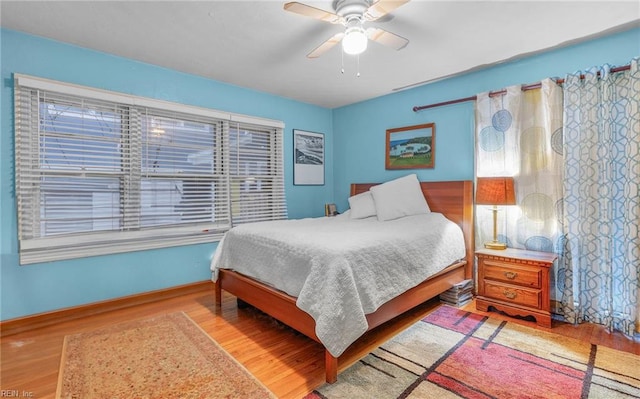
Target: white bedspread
pixel 341 269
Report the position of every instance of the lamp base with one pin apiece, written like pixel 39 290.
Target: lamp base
pixel 495 245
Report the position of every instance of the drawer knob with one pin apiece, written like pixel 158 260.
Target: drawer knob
pixel 510 275
pixel 510 294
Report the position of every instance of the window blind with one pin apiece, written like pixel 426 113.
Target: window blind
pixel 256 173
pixel 100 172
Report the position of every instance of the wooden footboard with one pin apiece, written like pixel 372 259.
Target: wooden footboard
pixel 283 307
pixel 453 199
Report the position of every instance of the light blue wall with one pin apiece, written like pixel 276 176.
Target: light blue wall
pixel 360 129
pixel 356 133
pixel 37 288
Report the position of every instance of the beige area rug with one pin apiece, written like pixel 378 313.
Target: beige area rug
pixel 452 353
pixel 168 356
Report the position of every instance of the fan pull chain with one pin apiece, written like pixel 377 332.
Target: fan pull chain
pixel 357 64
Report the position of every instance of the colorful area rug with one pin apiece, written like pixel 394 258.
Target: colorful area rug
pixel 167 356
pixel 452 353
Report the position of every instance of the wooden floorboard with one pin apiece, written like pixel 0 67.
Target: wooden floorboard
pixel 290 364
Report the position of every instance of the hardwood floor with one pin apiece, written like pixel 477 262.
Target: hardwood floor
pixel 290 364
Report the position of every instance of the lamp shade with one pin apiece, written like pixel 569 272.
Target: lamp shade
pixel 495 191
pixel 355 40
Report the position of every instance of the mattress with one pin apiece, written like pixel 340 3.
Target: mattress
pixel 341 269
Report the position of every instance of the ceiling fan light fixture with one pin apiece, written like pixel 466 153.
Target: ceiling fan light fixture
pixel 354 41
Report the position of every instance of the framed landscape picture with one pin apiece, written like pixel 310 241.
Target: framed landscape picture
pixel 411 147
pixel 308 163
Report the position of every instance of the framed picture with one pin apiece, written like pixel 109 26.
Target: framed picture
pixel 411 147
pixel 308 163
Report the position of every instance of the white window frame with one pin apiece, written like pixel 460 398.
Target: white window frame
pixel 35 249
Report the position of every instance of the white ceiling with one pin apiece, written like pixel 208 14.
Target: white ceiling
pixel 258 45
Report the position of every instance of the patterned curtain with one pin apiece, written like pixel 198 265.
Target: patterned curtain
pixel 601 208
pixel 519 134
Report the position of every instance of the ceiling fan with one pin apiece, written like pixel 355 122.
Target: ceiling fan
pixel 353 14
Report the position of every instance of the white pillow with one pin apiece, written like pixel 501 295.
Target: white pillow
pixel 362 206
pixel 398 198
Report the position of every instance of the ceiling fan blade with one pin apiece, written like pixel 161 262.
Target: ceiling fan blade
pixel 387 38
pixel 324 47
pixel 313 12
pixel 382 8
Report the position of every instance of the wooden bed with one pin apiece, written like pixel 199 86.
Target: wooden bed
pixel 454 199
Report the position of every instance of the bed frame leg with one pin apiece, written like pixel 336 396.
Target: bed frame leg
pixel 331 367
pixel 218 293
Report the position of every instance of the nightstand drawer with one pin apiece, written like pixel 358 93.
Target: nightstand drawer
pixel 512 294
pixel 500 271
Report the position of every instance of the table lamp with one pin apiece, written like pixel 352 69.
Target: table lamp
pixel 495 191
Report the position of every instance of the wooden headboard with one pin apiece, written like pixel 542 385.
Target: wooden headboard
pixel 454 199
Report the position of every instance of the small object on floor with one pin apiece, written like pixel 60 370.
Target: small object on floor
pixel 458 295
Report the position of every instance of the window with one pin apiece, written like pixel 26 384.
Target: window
pixel 100 172
pixel 253 172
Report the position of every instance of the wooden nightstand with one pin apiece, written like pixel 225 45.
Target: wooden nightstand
pixel 516 282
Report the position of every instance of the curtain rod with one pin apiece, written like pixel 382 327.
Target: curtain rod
pixel 503 91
